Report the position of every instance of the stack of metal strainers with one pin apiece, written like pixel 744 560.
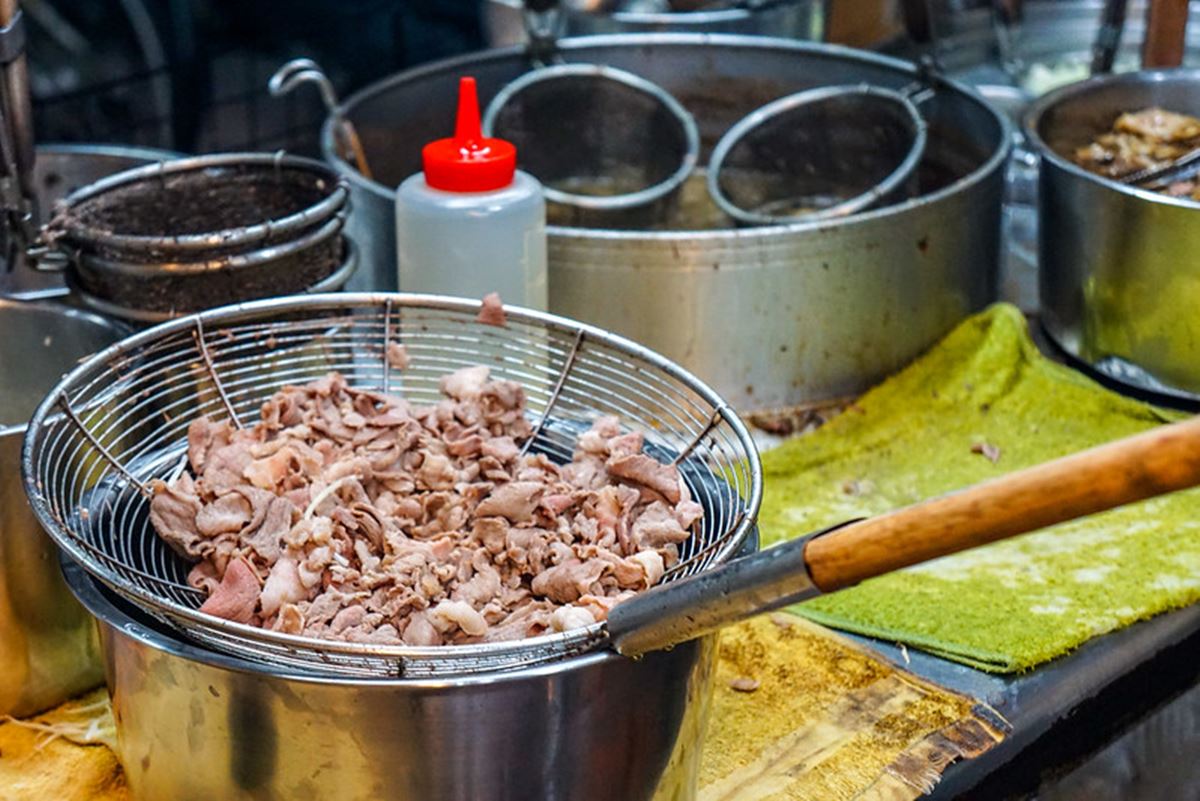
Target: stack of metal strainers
pixel 179 236
pixel 120 420
pixel 818 154
pixel 602 140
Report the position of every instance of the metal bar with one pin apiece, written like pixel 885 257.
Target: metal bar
pixel 717 416
pixel 716 544
pixel 387 341
pixel 65 405
pixel 198 335
pixel 558 386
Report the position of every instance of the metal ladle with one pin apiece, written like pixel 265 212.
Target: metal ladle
pixel 819 154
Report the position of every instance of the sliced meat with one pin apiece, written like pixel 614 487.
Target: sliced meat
pixel 397 356
pixel 224 515
pixel 236 596
pixel 515 501
pixel 491 312
pixel 173 511
pixel 641 469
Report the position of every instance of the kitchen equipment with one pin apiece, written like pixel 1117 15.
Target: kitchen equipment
pixel 1118 280
pixel 1054 46
pixel 58 170
pixel 504 24
pixel 48 648
pixel 193 723
pixel 1166 33
pixel 548 731
pixel 173 237
pixel 17 198
pixel 129 407
pixel 818 154
pixel 1108 37
pixel 305 70
pixel 806 311
pixel 601 140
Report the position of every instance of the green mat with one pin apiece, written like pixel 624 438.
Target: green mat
pixel 981 403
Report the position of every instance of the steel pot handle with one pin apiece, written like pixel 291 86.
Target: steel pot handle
pixel 1155 462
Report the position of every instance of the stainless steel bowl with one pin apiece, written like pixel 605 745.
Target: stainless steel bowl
pixel 195 724
pixel 768 316
pixel 1120 281
pixel 47 643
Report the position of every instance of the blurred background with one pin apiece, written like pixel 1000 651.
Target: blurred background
pixel 191 75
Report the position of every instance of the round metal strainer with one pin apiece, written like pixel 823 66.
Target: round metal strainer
pixel 120 420
pixel 817 154
pixel 598 138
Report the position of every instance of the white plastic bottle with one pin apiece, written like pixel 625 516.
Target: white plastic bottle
pixel 472 223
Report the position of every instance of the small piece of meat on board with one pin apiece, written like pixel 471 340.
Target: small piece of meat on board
pixel 236 596
pixel 491 312
pixel 642 469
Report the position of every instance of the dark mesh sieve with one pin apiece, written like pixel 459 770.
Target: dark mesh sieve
pixel 820 153
pixel 596 137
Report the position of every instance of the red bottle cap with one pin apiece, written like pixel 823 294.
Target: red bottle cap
pixel 468 162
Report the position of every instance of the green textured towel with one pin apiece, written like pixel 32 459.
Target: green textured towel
pixel 936 427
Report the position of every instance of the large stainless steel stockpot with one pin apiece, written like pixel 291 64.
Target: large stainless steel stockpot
pixel 195 724
pixel 47 643
pixel 768 316
pixel 1120 273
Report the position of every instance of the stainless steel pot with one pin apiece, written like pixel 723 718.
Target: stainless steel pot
pixel 47 643
pixel 57 172
pixel 195 724
pixel 1120 280
pixel 503 22
pixel 768 316
pixel 1052 47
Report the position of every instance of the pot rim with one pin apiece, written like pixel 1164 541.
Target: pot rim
pixel 1032 119
pixel 996 161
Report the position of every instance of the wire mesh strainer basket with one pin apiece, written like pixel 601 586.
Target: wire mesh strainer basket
pixel 120 420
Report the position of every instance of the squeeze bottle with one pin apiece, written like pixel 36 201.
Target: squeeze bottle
pixel 472 223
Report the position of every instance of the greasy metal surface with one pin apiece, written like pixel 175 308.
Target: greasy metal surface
pixel 47 643
pixel 194 724
pixel 119 420
pixel 770 316
pixel 1119 277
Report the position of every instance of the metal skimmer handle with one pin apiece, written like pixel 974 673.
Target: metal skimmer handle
pixel 1162 460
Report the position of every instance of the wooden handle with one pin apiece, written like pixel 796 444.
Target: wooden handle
pixel 1166 33
pixel 1156 462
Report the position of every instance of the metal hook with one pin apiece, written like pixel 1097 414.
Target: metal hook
pixel 305 70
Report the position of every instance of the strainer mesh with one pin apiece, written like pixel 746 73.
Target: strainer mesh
pixel 120 420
